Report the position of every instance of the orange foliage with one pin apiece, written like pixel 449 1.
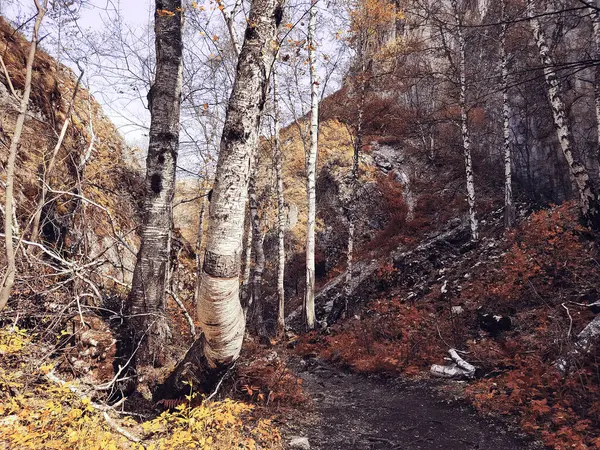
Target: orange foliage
pixel 544 273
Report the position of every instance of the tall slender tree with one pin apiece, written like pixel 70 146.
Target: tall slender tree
pixel 311 170
pixel 147 297
pixel 509 207
pixel 464 117
pixel 588 196
pixel 258 239
pixel 9 277
pixel 281 218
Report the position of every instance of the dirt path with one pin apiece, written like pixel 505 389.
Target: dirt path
pixel 356 412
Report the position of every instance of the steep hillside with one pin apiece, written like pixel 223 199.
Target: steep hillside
pixel 90 209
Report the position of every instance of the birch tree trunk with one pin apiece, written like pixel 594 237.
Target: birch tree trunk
pixel 464 122
pixel 509 207
pixel 281 218
pixel 147 297
pixel 9 277
pixel 350 208
pixel 311 172
pixel 219 309
pixel 588 198
pixel 258 239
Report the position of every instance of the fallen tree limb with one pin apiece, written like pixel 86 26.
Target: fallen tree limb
pixel 458 369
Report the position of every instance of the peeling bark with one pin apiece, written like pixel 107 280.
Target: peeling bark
pixel 9 276
pixel 219 309
pixel 147 301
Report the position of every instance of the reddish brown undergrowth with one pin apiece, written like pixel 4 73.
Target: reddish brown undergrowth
pixel 541 275
pixel 263 376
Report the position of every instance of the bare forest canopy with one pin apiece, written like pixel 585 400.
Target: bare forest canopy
pixel 205 204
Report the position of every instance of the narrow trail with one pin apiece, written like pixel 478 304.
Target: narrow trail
pixel 356 412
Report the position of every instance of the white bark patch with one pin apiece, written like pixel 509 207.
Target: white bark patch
pixel 221 318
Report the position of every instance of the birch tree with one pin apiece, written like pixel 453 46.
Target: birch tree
pixel 311 171
pixel 464 118
pixel 258 239
pixel 219 309
pixel 509 207
pixel 281 218
pixel 9 276
pixel 147 297
pixel 588 197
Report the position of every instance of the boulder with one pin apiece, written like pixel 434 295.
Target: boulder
pixel 299 442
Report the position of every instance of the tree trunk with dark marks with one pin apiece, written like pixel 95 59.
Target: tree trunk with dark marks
pixel 464 121
pixel 509 206
pixel 588 197
pixel 219 310
pixel 148 322
pixel 311 172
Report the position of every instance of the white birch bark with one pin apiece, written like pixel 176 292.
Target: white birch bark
pixel 219 309
pixel 588 199
pixel 147 299
pixel 311 171
pixel 281 217
pixel 509 207
pixel 9 276
pixel 220 313
pixel 464 121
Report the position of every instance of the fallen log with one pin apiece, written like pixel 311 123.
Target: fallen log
pixel 458 369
